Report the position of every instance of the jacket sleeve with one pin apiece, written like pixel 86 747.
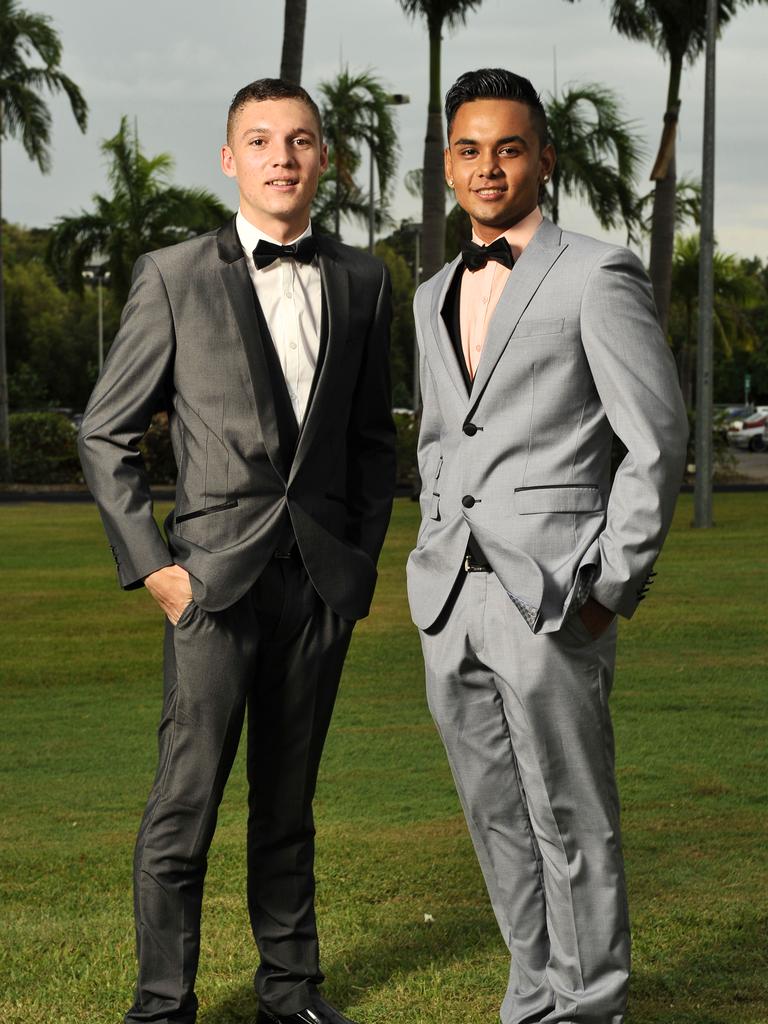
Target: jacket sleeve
pixel 371 460
pixel 636 378
pixel 134 384
pixel 428 451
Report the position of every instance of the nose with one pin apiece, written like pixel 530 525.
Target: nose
pixel 283 155
pixel 489 165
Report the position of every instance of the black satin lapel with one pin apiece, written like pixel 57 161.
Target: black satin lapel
pixel 441 332
pixel 451 314
pixel 228 242
pixel 239 288
pixel 335 288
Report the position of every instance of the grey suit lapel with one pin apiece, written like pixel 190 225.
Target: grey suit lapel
pixel 530 269
pixel 440 331
pixel 335 284
pixel 239 288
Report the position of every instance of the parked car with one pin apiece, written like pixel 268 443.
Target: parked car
pixel 750 433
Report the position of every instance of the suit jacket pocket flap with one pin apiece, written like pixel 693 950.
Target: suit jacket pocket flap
pixel 564 498
pixel 531 328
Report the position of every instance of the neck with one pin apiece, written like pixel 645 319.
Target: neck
pixel 489 232
pixel 280 229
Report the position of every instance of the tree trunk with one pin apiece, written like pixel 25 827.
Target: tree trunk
pixel 293 41
pixel 5 440
pixel 664 196
pixel 433 197
pixel 555 197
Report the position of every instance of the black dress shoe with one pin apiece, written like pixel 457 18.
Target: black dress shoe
pixel 319 1012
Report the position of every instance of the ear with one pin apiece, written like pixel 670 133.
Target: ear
pixel 228 162
pixel 547 161
pixel 448 165
pixel 324 158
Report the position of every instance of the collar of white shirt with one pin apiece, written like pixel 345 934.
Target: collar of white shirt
pixel 250 236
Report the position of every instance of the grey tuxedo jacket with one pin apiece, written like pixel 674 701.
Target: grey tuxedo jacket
pixel 190 342
pixel 573 354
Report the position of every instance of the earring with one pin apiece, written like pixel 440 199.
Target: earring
pixel 450 183
pixel 546 178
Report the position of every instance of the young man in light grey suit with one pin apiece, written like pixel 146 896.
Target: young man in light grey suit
pixel 268 345
pixel 536 346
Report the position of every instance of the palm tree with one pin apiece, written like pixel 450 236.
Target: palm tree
pixel 144 212
pixel 293 40
pixel 24 115
pixel 333 201
pixel 687 205
pixel 737 291
pixel 436 13
pixel 677 28
pixel 597 155
pixel 356 112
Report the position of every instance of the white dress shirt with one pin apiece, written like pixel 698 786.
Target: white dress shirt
pixel 290 295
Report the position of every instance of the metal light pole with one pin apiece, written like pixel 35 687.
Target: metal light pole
pixel 96 273
pixel 396 99
pixel 704 359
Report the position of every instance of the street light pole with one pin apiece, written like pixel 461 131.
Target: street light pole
pixel 704 358
pixel 97 273
pixel 101 322
pixel 371 208
pixel 416 282
pixel 396 99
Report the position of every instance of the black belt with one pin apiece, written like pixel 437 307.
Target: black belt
pixel 474 559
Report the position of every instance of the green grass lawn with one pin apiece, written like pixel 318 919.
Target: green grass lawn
pixel 81 688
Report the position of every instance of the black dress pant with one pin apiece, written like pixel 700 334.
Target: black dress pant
pixel 278 652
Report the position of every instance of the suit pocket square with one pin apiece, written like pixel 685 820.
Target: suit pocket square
pixel 533 328
pixel 562 498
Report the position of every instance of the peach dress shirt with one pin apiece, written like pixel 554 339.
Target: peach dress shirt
pixel 481 290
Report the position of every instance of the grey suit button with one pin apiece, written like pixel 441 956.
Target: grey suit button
pixel 470 429
pixel 467 501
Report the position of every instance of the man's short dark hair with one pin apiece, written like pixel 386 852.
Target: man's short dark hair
pixel 496 84
pixel 270 89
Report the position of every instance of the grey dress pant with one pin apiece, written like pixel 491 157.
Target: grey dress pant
pixel 278 653
pixel 525 723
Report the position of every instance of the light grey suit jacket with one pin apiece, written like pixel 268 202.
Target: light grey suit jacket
pixel 573 354
pixel 190 341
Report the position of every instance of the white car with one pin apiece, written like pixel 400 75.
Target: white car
pixel 750 433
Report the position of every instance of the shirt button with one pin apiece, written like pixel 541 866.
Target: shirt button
pixel 470 429
pixel 486 299
pixel 477 348
pixel 292 345
pixel 467 501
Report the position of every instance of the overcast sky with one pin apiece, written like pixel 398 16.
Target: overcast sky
pixel 173 65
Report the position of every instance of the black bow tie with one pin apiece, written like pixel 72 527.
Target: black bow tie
pixel 267 252
pixel 476 256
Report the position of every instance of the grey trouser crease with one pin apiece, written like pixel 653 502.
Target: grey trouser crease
pixel 276 655
pixel 525 722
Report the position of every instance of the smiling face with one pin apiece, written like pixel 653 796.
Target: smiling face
pixel 496 163
pixel 275 152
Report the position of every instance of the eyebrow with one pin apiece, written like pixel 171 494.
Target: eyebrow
pixel 499 142
pixel 268 131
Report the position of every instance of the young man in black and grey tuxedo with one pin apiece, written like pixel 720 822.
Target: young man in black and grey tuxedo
pixel 268 343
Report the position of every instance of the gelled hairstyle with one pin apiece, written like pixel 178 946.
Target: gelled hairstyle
pixel 496 84
pixel 271 89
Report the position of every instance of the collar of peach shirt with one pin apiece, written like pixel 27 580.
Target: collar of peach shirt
pixel 519 235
